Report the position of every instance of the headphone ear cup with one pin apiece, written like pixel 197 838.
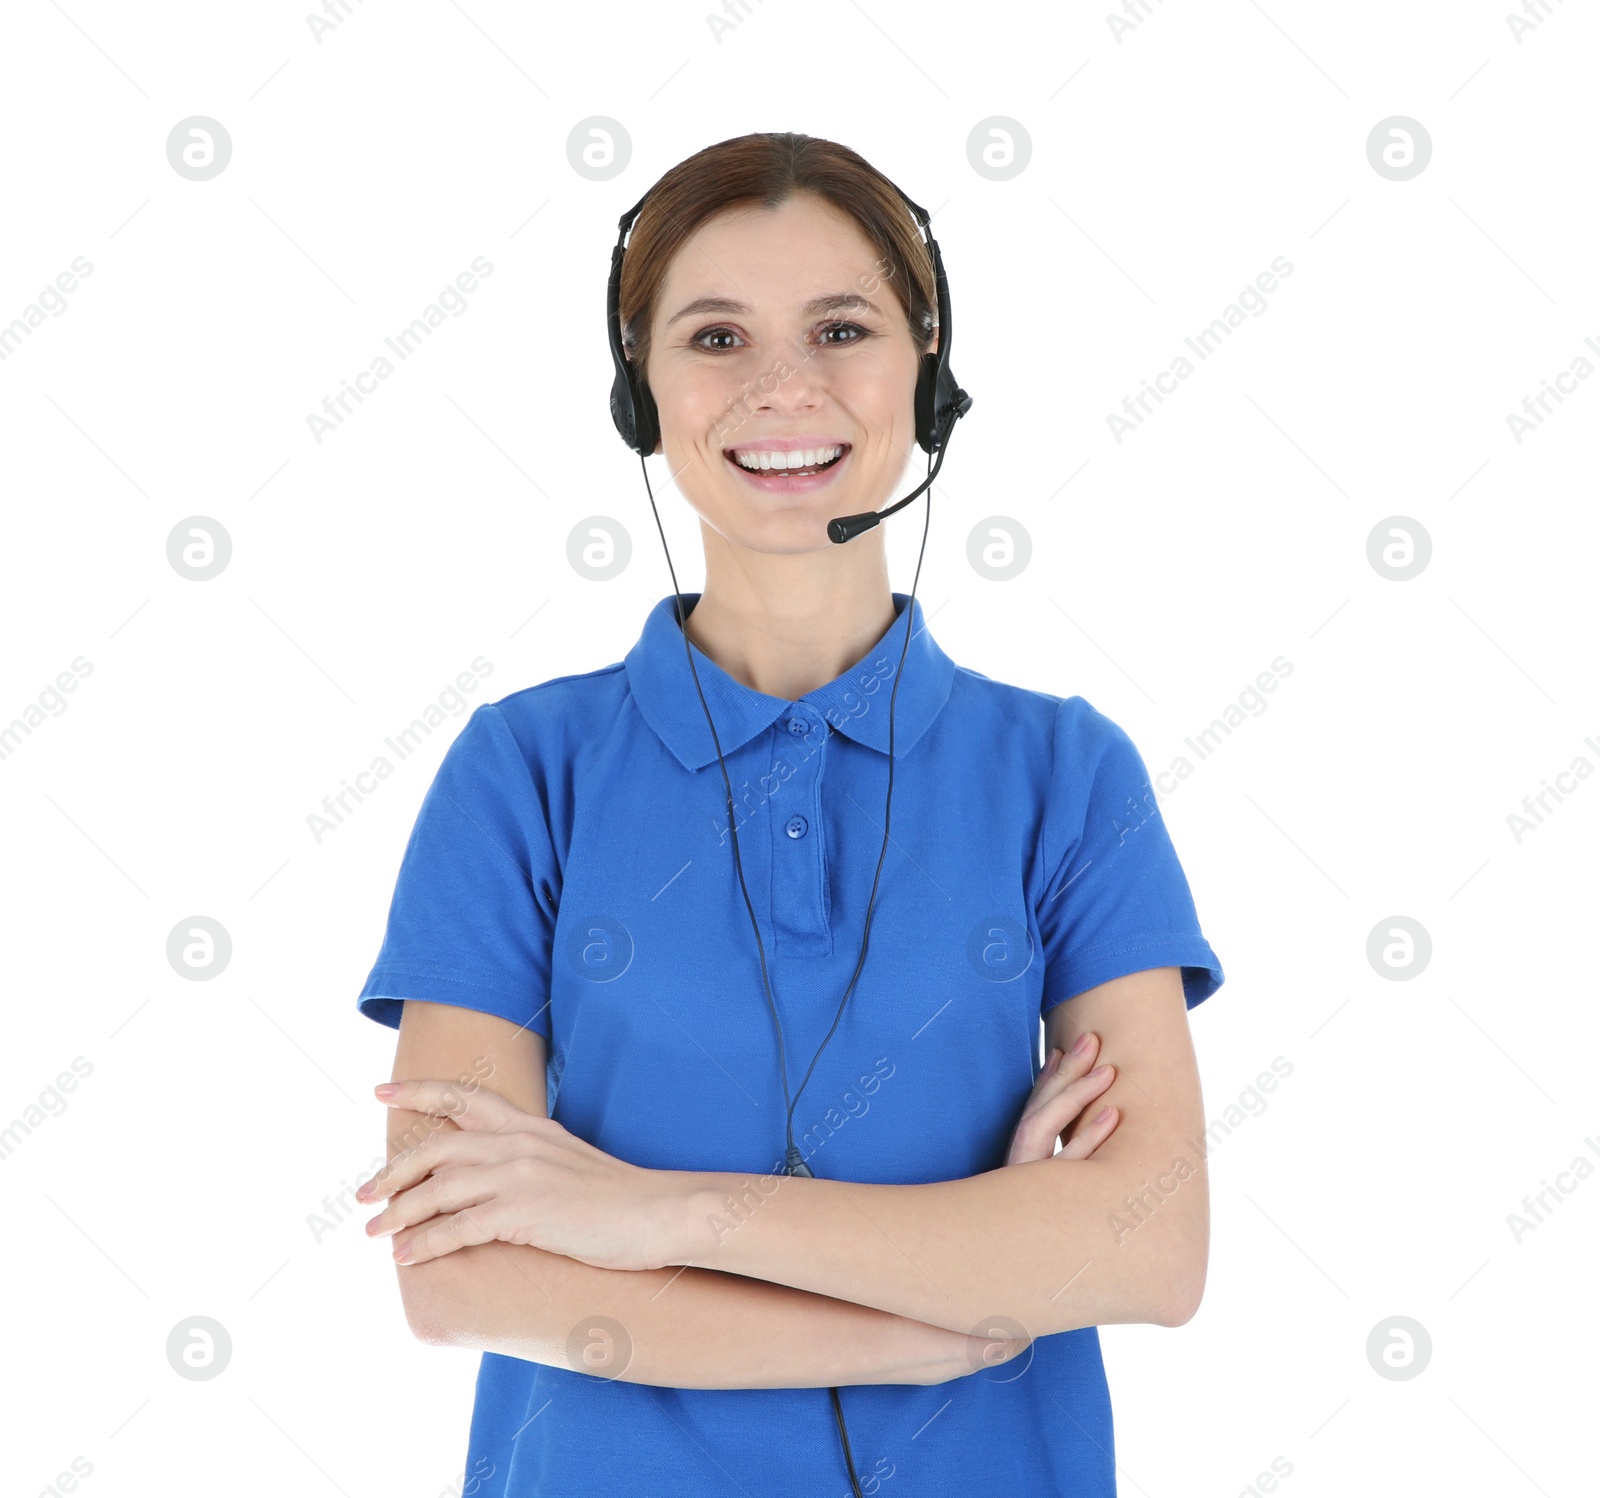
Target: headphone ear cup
pixel 647 424
pixel 622 408
pixel 926 400
pixel 633 412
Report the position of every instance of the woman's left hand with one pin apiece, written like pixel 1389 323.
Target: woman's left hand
pixel 514 1177
pixel 1065 1090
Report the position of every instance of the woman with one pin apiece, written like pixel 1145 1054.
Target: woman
pixel 627 1081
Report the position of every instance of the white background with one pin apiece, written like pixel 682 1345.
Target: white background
pixel 1166 170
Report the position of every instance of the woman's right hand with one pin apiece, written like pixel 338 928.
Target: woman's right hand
pixel 1067 1088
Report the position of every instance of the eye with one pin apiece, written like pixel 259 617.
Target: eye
pixel 712 333
pixel 840 327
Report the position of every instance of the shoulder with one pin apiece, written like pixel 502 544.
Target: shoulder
pixel 1078 735
pixel 552 721
pixel 525 738
pixel 566 710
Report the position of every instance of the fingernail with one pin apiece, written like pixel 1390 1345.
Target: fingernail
pixel 1100 1071
pixel 1103 1114
pixel 1081 1044
pixel 1054 1061
pixel 402 1255
pixel 387 1089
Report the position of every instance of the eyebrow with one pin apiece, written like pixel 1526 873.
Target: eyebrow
pixel 833 301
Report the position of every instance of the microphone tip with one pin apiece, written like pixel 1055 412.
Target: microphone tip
pixel 845 527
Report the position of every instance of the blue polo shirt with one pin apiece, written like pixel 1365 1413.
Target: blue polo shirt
pixel 571 870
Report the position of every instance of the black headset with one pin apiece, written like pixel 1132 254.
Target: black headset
pixel 939 403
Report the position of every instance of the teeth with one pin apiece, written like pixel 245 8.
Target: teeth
pixel 808 457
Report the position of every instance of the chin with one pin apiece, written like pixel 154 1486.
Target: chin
pixel 792 531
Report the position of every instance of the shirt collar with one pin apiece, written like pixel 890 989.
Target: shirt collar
pixel 856 702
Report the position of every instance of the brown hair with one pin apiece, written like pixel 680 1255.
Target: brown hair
pixel 766 169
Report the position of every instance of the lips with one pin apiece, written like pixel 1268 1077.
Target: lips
pixel 793 480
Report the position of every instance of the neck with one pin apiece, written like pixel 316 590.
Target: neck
pixel 788 623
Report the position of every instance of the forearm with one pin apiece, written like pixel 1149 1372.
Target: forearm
pixel 1051 1244
pixel 691 1328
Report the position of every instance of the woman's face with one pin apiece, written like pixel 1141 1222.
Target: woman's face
pixel 776 332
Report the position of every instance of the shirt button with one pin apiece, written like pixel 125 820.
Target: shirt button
pixel 799 727
pixel 795 826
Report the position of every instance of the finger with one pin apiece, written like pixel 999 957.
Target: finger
pixel 474 1107
pixel 439 1236
pixel 1080 1057
pixel 438 1151
pixel 434 1151
pixel 1063 1084
pixel 1036 1131
pixel 1056 1112
pixel 1072 1065
pixel 1069 1098
pixel 1092 1135
pixel 449 1191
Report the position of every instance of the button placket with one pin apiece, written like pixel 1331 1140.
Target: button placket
pixel 799 854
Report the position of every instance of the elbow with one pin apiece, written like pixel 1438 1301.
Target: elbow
pixel 428 1329
pixel 1179 1259
pixel 1184 1289
pixel 427 1326
pixel 427 1307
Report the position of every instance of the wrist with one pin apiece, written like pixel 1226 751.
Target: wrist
pixel 940 1356
pixel 945 1356
pixel 694 1217
pixel 710 1208
pixel 960 1356
pixel 984 1354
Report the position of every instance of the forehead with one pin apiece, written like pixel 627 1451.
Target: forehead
pixel 773 258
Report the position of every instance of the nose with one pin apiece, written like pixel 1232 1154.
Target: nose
pixel 794 383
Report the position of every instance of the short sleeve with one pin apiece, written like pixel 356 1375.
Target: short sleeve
pixel 472 917
pixel 1116 899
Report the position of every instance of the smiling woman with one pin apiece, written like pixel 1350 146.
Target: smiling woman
pixel 671 983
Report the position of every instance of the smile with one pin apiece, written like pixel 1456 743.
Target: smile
pixel 786 470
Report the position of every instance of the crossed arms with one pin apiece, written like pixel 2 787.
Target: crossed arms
pixel 838 1282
